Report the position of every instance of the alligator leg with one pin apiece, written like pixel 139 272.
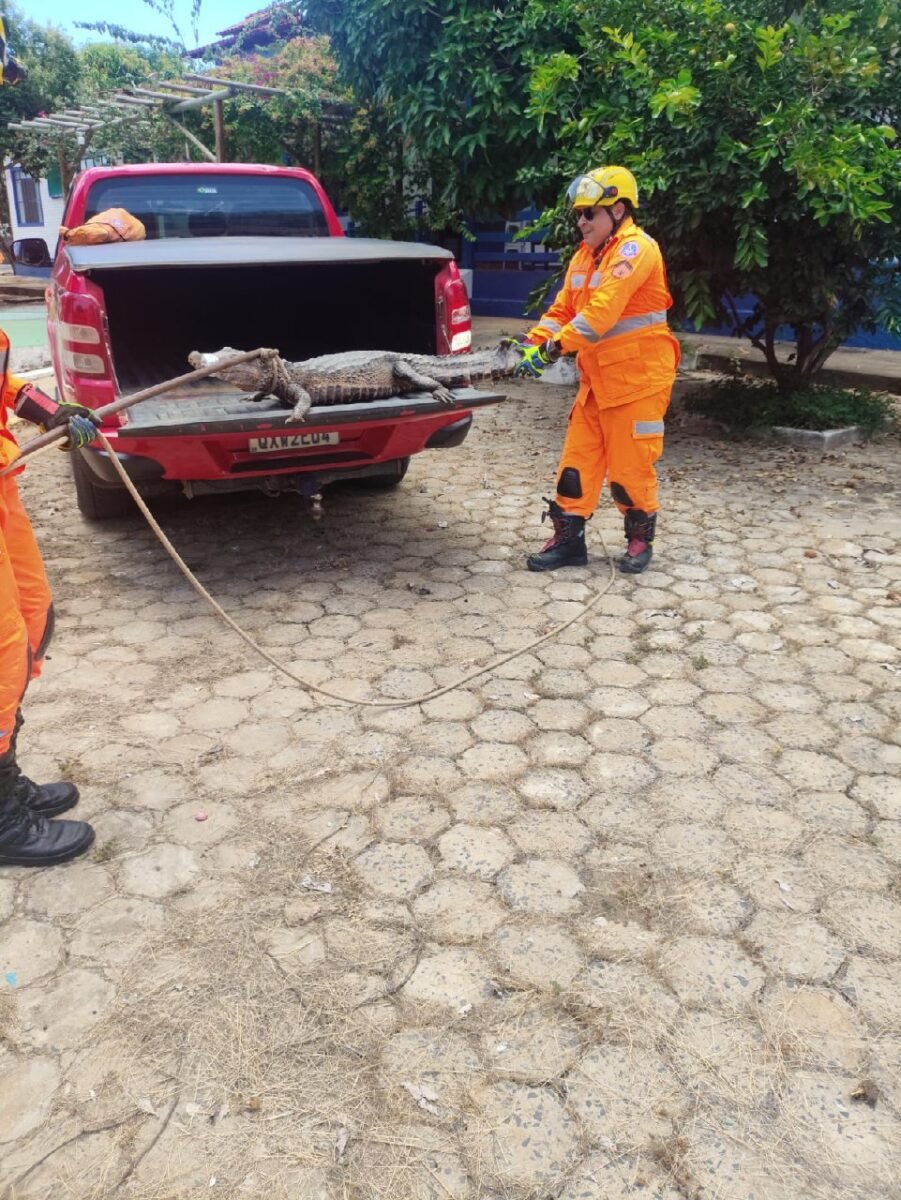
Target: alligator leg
pixel 301 399
pixel 403 370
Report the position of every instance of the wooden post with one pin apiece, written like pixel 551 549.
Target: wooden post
pixel 69 168
pixel 195 141
pixel 219 122
pixel 65 177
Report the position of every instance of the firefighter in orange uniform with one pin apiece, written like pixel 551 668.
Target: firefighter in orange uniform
pixel 27 836
pixel 611 312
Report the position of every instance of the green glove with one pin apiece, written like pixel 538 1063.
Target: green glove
pixel 536 358
pixel 81 424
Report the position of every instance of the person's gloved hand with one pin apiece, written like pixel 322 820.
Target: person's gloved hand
pixel 536 358
pixel 81 422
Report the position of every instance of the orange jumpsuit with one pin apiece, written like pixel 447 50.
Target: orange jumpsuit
pixel 612 311
pixel 26 611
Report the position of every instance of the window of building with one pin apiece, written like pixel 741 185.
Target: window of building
pixel 27 197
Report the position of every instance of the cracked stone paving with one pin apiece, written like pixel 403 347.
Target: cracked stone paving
pixel 619 919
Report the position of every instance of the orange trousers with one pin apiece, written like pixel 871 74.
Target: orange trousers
pixel 618 444
pixel 26 611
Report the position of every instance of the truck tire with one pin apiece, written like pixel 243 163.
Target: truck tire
pixel 95 502
pixel 393 474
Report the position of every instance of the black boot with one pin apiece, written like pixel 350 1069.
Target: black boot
pixel 45 799
pixel 639 527
pixel 567 547
pixel 29 840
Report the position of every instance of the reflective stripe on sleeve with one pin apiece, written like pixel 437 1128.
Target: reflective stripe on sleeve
pixel 581 326
pixel 630 324
pixel 553 326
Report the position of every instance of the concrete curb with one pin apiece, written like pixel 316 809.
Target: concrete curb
pixel 25 291
pixel 874 380
pixel 814 439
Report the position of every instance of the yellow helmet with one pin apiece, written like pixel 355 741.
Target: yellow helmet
pixel 603 187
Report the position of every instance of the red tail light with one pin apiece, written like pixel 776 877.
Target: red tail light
pixel 84 351
pixel 454 316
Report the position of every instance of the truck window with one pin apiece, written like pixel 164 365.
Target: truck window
pixel 190 206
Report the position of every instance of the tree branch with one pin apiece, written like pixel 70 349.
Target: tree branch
pixel 741 327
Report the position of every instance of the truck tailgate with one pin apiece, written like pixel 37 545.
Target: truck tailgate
pixel 221 409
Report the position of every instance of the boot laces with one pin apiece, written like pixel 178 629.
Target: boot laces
pixel 18 823
pixel 26 789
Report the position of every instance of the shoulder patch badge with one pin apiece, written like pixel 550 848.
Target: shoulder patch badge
pixel 630 249
pixel 621 270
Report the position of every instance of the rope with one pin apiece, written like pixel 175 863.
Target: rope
pixel 305 683
pixel 51 436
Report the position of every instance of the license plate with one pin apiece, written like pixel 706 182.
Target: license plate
pixel 292 441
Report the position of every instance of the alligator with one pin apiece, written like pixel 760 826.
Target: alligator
pixel 359 375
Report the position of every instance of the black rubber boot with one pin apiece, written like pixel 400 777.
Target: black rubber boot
pixel 45 799
pixel 639 527
pixel 567 547
pixel 29 840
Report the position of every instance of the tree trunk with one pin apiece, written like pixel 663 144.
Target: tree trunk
pixel 780 373
pixel 812 352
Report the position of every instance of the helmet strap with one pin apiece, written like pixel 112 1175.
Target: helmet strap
pixel 617 221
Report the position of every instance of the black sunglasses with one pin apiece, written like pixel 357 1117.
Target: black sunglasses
pixel 587 213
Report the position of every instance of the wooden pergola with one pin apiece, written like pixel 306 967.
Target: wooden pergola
pixel 168 98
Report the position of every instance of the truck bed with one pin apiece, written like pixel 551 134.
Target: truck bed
pixel 205 408
pixel 302 296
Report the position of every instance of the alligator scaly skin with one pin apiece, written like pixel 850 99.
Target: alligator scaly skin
pixel 357 376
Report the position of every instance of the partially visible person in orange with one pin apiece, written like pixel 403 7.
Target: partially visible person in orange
pixel 610 312
pixel 27 835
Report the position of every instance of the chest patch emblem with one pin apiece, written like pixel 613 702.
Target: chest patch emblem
pixel 621 270
pixel 630 249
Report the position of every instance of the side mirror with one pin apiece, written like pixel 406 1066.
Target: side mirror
pixel 31 252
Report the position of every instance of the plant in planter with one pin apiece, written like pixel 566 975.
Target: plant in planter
pixel 753 405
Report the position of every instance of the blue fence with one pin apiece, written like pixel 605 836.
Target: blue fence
pixel 880 340
pixel 506 270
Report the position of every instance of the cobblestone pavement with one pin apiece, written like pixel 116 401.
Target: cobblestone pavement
pixel 619 919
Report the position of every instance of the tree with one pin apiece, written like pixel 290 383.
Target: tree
pixel 317 125
pixel 273 128
pixel 132 135
pixel 54 75
pixel 136 135
pixel 447 88
pixel 762 133
pixel 166 9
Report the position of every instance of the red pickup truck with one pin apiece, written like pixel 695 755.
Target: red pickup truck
pixel 243 256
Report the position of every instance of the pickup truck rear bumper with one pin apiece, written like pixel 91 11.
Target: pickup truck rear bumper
pixel 207 437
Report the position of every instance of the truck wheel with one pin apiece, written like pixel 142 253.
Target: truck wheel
pixel 393 474
pixel 95 502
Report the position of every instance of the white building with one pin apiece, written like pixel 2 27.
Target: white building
pixel 35 205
